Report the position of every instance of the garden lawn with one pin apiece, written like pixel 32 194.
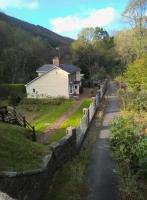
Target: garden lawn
pixel 42 115
pixel 17 153
pixel 73 121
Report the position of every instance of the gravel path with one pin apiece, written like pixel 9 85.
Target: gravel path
pixel 101 173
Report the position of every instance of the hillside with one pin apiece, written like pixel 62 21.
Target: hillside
pixel 47 35
pixel 24 47
pixel 16 151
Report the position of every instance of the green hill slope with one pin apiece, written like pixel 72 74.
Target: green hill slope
pixel 18 153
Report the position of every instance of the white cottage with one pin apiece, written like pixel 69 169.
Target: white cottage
pixel 55 80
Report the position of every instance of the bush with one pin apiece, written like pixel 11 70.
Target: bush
pixel 133 100
pixel 136 74
pixel 17 90
pixel 52 101
pixel 13 100
pixel 139 102
pixel 129 145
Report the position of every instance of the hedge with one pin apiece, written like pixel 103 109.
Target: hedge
pixel 17 90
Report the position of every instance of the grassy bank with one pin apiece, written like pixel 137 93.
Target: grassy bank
pixel 16 151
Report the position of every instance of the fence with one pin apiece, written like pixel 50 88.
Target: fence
pixel 88 114
pixel 9 115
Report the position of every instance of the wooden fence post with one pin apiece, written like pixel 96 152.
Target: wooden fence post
pixel 94 103
pixel 24 121
pixel 33 134
pixel 86 112
pixel 15 116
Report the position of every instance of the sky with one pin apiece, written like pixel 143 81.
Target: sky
pixel 68 17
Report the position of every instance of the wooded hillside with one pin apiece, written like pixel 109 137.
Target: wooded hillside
pixel 24 47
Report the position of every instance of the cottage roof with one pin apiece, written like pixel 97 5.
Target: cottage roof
pixel 70 68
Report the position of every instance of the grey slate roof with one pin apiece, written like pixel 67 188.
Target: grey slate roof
pixel 66 67
pixel 45 68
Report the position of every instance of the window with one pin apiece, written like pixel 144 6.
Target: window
pixel 33 90
pixel 76 86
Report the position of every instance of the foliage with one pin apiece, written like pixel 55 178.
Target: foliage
pixel 14 93
pixel 127 46
pixel 139 102
pixel 12 89
pixel 129 188
pixel 135 14
pixel 25 47
pixel 17 153
pixel 136 74
pixel 133 100
pixel 129 144
pixel 93 51
pixel 50 100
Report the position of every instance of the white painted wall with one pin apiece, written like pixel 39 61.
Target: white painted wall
pixel 40 73
pixel 52 84
pixel 78 78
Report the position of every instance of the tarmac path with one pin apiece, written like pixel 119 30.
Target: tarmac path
pixel 101 172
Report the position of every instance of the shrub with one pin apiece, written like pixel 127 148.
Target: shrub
pixel 129 145
pixel 17 90
pixel 139 102
pixel 136 74
pixel 133 100
pixel 13 100
pixel 52 101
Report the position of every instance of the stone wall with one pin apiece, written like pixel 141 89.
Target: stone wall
pixel 32 185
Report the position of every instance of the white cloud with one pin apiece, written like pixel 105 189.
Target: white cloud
pixel 100 17
pixel 32 4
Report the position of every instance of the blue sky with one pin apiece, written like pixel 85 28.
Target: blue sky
pixel 67 17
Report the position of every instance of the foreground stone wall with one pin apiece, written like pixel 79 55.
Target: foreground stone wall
pixel 32 185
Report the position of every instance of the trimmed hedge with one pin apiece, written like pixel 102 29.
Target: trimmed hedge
pixel 7 90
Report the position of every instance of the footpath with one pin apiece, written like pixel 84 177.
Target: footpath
pixel 101 173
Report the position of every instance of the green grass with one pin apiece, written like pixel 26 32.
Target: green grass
pixel 73 121
pixel 16 151
pixel 42 116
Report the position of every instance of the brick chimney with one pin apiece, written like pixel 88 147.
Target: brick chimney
pixel 56 61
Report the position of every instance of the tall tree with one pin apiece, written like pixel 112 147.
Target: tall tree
pixel 93 52
pixel 136 15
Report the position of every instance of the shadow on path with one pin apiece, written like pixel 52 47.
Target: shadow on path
pixel 101 172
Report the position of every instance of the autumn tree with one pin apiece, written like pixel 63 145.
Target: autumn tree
pixel 136 74
pixel 136 14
